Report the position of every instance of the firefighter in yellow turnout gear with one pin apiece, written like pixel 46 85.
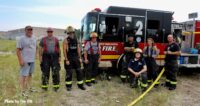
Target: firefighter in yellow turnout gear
pixel 92 53
pixel 50 59
pixel 128 55
pixel 72 54
pixel 137 70
pixel 150 53
pixel 172 51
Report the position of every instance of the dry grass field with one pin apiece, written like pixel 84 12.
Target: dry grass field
pixel 104 93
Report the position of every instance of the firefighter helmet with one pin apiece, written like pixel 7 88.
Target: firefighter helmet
pixel 70 29
pixel 138 50
pixel 93 34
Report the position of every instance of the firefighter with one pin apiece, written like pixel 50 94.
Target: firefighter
pixel 92 54
pixel 150 53
pixel 137 69
pixel 50 59
pixel 72 54
pixel 172 51
pixel 129 52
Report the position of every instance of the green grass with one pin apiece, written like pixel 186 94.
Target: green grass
pixel 105 93
pixel 7 45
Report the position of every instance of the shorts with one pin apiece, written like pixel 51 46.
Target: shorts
pixel 27 69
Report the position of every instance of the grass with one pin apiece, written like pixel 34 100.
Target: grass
pixel 104 93
pixel 7 45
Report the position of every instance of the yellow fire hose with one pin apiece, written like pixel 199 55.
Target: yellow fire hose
pixel 152 85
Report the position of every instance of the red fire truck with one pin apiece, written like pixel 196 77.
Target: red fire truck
pixel 115 23
pixel 189 34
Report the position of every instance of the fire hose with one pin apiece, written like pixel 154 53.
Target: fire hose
pixel 152 85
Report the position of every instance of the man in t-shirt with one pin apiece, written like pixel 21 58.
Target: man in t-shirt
pixel 128 55
pixel 50 59
pixel 26 52
pixel 172 51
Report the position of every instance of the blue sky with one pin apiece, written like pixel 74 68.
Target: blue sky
pixel 61 13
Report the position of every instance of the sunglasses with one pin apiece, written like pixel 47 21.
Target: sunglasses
pixel 70 33
pixel 49 31
pixel 29 29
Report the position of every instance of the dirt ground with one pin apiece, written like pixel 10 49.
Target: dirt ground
pixel 188 92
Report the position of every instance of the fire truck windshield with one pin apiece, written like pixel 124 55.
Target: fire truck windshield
pixel 88 26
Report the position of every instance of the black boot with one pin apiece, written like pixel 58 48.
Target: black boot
pixel 144 89
pixel 44 89
pixel 123 80
pixel 69 87
pixel 94 81
pixel 81 87
pixel 55 89
pixel 166 84
pixel 172 87
pixel 134 85
pixel 156 85
pixel 88 84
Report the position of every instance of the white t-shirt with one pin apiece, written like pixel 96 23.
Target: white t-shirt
pixel 28 46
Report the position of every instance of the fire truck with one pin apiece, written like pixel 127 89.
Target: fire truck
pixel 188 33
pixel 115 23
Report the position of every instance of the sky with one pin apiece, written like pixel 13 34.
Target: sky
pixel 16 14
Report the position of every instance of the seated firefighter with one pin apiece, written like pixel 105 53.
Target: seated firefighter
pixel 137 70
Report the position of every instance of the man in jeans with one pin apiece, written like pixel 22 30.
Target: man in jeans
pixel 26 52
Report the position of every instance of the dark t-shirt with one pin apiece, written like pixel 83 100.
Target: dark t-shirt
pixel 73 47
pixel 128 44
pixel 173 48
pixel 136 66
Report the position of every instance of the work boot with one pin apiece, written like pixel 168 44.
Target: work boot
pixel 55 89
pixel 81 87
pixel 134 85
pixel 166 84
pixel 88 84
pixel 156 85
pixel 45 89
pixel 94 81
pixel 172 88
pixel 144 89
pixel 123 80
pixel 69 88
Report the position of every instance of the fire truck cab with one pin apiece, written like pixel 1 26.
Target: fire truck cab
pixel 115 23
